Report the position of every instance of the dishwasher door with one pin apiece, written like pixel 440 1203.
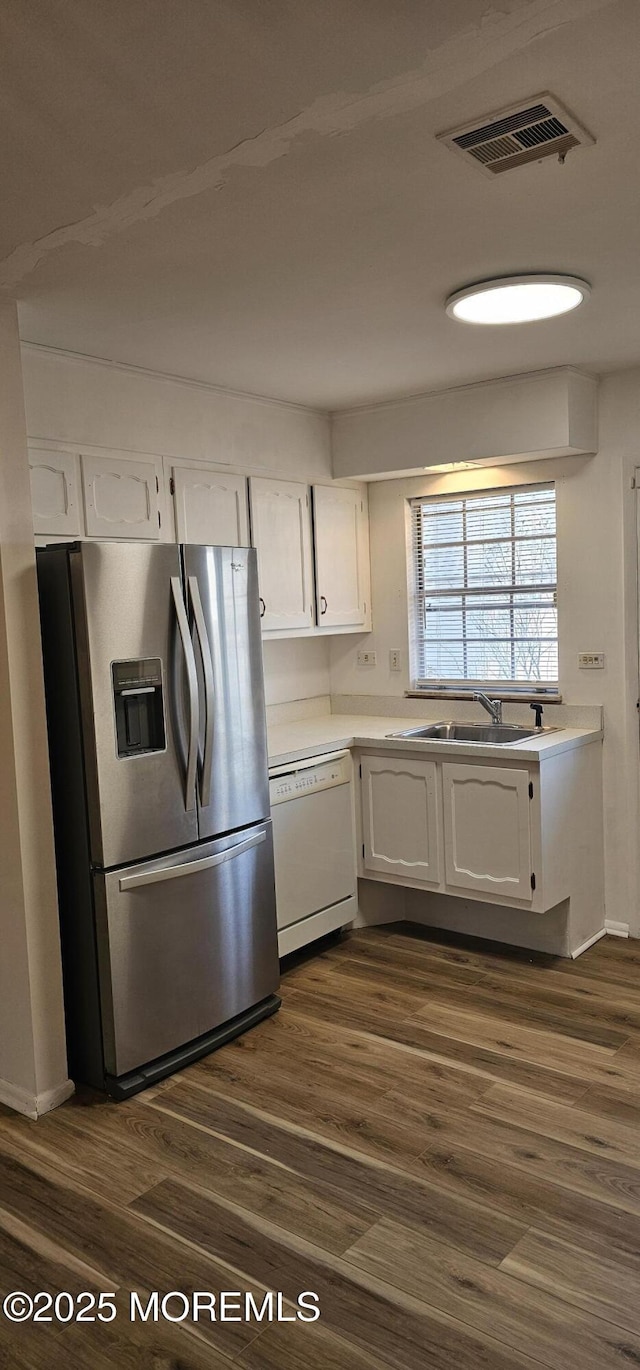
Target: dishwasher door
pixel 314 841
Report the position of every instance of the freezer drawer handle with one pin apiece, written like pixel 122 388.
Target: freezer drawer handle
pixel 207 667
pixel 192 677
pixel 150 877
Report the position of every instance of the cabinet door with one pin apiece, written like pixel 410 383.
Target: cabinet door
pixel 486 830
pixel 281 529
pixel 337 519
pixel 54 493
pixel 400 817
pixel 211 507
pixel 120 498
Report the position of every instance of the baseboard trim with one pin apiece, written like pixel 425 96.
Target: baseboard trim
pixel 34 1105
pixel 616 929
pixel 589 943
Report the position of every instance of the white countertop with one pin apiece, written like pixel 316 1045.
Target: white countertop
pixel 308 737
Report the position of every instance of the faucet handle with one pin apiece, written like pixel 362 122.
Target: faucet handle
pixel 538 710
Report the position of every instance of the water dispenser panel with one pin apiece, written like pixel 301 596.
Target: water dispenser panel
pixel 139 706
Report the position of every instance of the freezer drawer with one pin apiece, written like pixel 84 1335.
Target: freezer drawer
pixel 185 943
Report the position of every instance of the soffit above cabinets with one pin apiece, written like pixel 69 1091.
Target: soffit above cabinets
pixel 520 418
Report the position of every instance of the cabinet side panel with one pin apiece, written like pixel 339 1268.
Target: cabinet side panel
pixel 572 837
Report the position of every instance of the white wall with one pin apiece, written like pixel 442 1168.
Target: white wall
pixel 596 606
pixel 84 403
pixel 33 1065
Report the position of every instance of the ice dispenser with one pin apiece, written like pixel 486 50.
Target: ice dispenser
pixel 139 707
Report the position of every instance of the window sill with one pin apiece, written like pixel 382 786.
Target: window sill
pixel 507 696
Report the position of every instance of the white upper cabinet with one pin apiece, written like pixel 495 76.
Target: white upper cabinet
pixel 281 531
pixel 400 817
pixel 121 497
pixel 487 830
pixel 55 495
pixel 342 556
pixel 211 507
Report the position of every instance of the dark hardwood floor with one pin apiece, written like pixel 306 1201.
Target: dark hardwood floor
pixel 441 1141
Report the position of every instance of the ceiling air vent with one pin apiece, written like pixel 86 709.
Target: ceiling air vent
pixel 523 133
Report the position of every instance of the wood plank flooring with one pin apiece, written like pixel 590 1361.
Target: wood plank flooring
pixel 439 1139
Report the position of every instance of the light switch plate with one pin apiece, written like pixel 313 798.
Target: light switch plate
pixel 591 661
pixel 366 658
pixel 395 659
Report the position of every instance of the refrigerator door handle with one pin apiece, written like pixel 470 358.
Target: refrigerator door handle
pixel 192 678
pixel 207 668
pixel 155 873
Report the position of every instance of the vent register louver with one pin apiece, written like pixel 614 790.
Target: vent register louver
pixel 520 134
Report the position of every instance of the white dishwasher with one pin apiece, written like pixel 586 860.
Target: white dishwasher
pixel 314 848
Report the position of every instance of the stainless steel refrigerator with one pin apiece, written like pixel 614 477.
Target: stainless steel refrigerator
pixel 157 738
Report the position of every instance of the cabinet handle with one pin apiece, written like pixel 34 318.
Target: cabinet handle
pixel 323 605
pixel 263 607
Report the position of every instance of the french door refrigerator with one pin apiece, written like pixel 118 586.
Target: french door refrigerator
pixel 157 736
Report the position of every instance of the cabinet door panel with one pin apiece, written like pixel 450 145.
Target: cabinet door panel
pixel 211 507
pixel 120 498
pixel 281 528
pixel 400 817
pixel 486 830
pixel 337 514
pixel 54 493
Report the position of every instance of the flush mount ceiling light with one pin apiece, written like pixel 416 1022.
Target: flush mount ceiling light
pixel 517 299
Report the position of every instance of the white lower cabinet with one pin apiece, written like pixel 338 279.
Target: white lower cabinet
pixel 487 838
pixel 472 829
pixel 400 810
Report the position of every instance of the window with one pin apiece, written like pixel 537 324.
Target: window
pixel 484 578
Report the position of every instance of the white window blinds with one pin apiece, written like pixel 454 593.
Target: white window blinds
pixel 484 578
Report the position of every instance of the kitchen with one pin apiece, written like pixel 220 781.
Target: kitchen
pixel 145 446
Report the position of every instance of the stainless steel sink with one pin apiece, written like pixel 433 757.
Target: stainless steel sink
pixel 501 734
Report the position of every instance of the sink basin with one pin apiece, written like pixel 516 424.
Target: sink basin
pixel 498 733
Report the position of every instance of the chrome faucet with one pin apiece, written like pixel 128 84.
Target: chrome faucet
pixel 492 706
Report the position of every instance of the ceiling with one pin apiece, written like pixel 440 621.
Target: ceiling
pixel 249 192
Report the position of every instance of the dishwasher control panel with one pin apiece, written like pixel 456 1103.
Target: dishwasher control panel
pixel 309 777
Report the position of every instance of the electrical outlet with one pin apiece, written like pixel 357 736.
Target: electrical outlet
pixel 366 658
pixel 591 661
pixel 395 663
